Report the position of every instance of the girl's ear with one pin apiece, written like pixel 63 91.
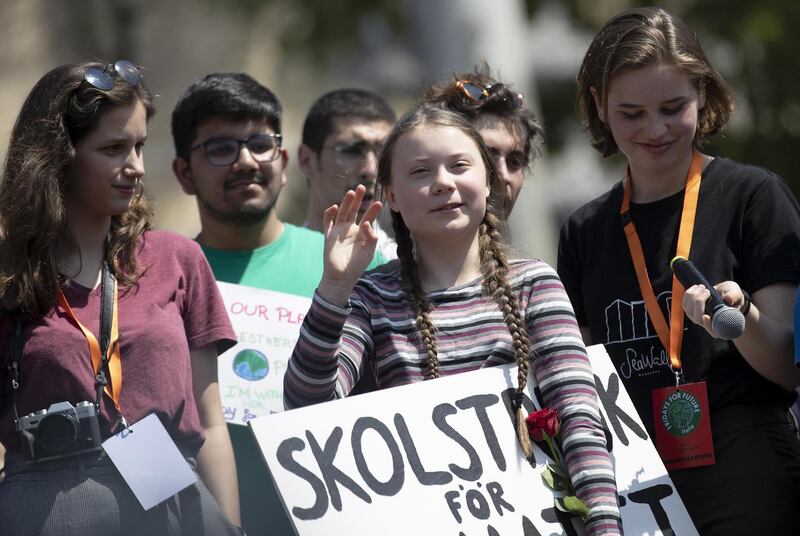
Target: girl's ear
pixel 598 103
pixel 388 191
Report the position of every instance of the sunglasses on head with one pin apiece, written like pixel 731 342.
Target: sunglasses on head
pixel 477 93
pixel 103 78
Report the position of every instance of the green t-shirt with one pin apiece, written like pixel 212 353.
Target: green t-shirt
pixel 291 264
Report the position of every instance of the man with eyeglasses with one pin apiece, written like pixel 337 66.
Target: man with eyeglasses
pixel 230 156
pixel 342 137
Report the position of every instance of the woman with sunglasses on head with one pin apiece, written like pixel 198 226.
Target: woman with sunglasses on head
pixel 453 302
pixel 507 126
pixel 647 91
pixel 102 321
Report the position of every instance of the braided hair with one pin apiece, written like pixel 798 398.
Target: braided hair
pixel 493 256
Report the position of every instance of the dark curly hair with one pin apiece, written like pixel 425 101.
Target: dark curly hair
pixel 501 100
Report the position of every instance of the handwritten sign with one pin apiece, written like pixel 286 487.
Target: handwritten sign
pixel 441 457
pixel 267 324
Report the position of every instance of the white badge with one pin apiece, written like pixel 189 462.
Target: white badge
pixel 149 461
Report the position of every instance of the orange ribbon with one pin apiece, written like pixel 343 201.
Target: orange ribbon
pixel 114 388
pixel 671 337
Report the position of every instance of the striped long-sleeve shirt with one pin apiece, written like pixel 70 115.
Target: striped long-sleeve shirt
pixel 376 332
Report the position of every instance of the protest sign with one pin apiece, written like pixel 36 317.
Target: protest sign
pixel 251 373
pixel 441 457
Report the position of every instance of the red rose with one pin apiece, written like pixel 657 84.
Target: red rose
pixel 542 423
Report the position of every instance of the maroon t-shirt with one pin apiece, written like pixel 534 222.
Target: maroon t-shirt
pixel 175 307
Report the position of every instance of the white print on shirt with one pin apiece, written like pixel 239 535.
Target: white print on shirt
pixel 643 364
pixel 629 321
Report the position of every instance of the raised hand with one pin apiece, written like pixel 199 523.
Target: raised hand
pixel 349 245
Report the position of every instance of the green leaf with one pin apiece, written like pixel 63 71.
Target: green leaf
pixel 553 480
pixel 557 469
pixel 573 505
pixel 547 477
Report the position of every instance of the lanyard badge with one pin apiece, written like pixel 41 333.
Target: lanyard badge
pixel 106 353
pixel 681 417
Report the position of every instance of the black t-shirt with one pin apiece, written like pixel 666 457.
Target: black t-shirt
pixel 747 229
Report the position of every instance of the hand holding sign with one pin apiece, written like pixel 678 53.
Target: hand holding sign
pixel 349 245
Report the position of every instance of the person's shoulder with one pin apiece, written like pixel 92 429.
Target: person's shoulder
pixel 737 174
pixel 303 234
pixel 529 269
pixel 596 208
pixel 161 244
pixel 387 270
pixel 384 278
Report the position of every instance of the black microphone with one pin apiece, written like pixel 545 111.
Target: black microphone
pixel 727 322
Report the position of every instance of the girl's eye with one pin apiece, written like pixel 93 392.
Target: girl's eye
pixel 673 111
pixel 460 164
pixel 112 149
pixel 417 171
pixel 631 115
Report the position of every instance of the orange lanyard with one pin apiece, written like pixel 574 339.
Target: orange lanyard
pixel 671 337
pixel 114 389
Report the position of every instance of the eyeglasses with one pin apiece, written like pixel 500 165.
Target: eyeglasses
pixel 102 78
pixel 225 151
pixel 476 93
pixel 352 154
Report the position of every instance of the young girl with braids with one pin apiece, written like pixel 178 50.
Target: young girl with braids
pixel 453 302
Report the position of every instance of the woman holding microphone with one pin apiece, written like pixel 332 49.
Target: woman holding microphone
pixel 647 91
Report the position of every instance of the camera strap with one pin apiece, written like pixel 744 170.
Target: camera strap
pixel 17 340
pixel 108 302
pixel 106 357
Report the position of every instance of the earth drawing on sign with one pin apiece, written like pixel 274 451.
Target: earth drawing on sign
pixel 250 365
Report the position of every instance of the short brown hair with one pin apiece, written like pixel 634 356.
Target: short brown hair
pixel 639 37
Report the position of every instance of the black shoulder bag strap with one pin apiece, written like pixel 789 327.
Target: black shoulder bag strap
pixel 17 341
pixel 107 284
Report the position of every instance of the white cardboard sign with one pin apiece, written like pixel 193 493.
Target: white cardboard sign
pixel 250 374
pixel 442 458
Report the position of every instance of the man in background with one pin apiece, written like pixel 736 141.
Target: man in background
pixel 342 137
pixel 230 156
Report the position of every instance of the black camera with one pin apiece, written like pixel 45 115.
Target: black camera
pixel 59 431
